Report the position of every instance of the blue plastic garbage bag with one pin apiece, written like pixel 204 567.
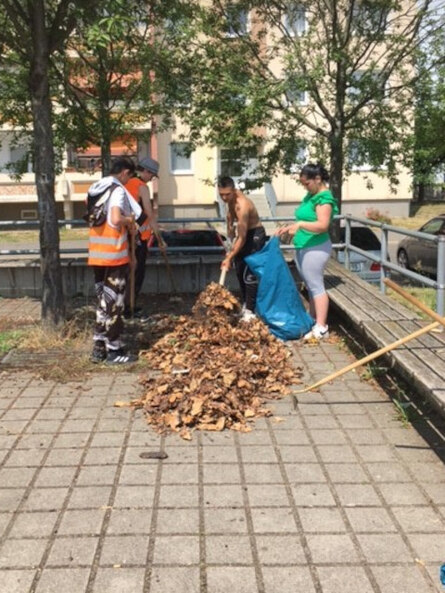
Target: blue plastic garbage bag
pixel 278 302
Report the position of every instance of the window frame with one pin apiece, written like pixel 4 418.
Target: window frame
pixel 297 164
pixel 365 167
pixel 182 171
pixel 354 92
pixel 231 33
pixel 289 25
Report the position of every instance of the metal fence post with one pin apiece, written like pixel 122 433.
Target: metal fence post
pixel 384 258
pixel 347 241
pixel 440 290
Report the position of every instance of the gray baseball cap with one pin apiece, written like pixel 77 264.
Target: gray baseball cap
pixel 150 165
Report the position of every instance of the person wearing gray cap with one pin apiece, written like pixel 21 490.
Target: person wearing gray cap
pixel 147 169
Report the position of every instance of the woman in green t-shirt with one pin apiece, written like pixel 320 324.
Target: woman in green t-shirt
pixel 312 242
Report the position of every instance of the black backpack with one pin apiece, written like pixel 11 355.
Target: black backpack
pixel 96 211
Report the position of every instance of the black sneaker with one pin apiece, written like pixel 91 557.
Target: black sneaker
pixel 120 357
pixel 99 353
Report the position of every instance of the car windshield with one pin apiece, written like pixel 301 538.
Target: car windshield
pixel 363 238
pixel 433 226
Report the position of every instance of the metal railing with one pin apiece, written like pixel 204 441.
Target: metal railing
pixel 385 264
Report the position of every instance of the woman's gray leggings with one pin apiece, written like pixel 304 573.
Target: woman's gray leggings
pixel 311 263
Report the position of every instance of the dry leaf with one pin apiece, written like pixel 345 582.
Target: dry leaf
pixel 196 406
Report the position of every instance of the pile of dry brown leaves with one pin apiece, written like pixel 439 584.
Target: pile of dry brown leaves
pixel 216 371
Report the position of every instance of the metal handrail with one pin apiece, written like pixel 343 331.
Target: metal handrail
pixel 385 264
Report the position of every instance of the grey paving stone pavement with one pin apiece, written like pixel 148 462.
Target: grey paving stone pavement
pixel 339 496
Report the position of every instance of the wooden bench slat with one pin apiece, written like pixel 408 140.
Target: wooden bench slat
pixel 383 320
pixel 338 280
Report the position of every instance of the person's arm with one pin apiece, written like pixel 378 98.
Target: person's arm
pixel 242 228
pixel 144 194
pixel 322 223
pixel 118 219
pixel 288 228
pixel 155 207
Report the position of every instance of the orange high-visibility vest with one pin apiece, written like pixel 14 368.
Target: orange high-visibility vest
pixel 108 246
pixel 133 186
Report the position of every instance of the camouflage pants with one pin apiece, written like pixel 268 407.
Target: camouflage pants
pixel 110 285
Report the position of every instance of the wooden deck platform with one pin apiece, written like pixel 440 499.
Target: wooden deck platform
pixel 381 320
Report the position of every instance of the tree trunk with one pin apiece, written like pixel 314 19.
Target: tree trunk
pixel 103 89
pixel 53 302
pixel 336 175
pixel 105 155
pixel 421 193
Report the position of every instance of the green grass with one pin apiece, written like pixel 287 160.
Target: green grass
pixel 10 339
pixel 26 236
pixel 427 296
pixel 421 216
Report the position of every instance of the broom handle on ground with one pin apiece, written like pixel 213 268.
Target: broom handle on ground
pixel 376 354
pixel 167 263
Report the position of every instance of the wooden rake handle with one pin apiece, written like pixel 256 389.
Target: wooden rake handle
pixel 376 354
pixel 133 264
pixel 438 321
pixel 410 298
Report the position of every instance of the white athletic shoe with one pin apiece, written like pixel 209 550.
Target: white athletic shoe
pixel 241 311
pixel 318 332
pixel 248 315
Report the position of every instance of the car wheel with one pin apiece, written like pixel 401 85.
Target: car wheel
pixel 402 259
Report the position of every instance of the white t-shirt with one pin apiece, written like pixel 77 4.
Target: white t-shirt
pixel 118 198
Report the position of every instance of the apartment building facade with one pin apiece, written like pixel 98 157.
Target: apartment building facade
pixel 187 181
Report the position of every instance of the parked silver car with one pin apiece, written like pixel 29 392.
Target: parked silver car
pixel 421 254
pixel 364 238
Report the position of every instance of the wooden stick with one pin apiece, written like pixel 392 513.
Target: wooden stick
pixel 133 265
pixel 414 301
pixel 167 263
pixel 375 354
pixel 222 277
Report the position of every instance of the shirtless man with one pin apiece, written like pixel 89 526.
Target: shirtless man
pixel 250 237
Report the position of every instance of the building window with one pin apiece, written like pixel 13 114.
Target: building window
pixel 237 21
pixel 295 89
pixel 180 157
pixel 370 17
pixel 294 20
pixel 231 164
pixel 19 160
pixel 296 97
pixel 368 83
pixel 362 157
pixel 298 158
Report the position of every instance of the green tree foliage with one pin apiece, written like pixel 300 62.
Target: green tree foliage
pixel 429 146
pixel 122 70
pixel 334 76
pixel 31 35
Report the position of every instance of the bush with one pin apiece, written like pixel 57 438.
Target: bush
pixel 374 214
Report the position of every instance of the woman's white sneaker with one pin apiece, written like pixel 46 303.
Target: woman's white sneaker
pixel 248 315
pixel 318 332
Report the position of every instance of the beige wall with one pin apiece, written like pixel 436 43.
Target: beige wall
pixel 186 188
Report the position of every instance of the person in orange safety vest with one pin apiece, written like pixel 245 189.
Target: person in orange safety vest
pixel 147 170
pixel 109 255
